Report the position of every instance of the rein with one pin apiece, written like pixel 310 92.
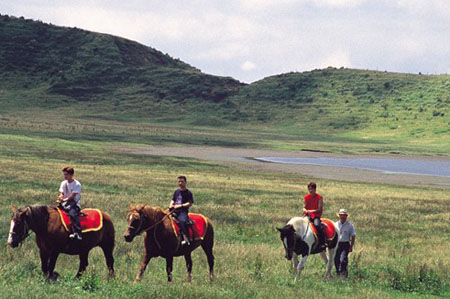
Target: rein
pixel 155 224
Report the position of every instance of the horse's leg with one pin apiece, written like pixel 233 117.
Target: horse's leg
pixel 207 246
pixel 169 263
pixel 323 255
pixel 83 264
pixel 144 262
pixel 108 252
pixel 188 259
pixel 294 262
pixel 53 275
pixel 44 260
pixel 301 266
pixel 331 255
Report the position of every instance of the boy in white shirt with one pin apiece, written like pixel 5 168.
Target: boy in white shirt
pixel 346 241
pixel 69 200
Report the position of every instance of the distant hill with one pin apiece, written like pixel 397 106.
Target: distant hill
pixel 60 69
pixel 89 66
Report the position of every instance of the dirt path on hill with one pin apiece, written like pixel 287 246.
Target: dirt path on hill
pixel 243 158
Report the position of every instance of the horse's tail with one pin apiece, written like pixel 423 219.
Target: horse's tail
pixel 108 230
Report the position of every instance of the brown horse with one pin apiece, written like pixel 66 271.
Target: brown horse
pixel 161 240
pixel 52 239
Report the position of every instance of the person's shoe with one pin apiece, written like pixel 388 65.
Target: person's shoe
pixel 75 236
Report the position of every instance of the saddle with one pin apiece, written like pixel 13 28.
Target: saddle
pixel 197 226
pixel 328 229
pixel 90 220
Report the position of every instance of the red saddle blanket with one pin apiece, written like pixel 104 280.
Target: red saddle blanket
pixel 93 220
pixel 328 228
pixel 197 230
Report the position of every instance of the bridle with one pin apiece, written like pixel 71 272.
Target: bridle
pixel 141 216
pixel 25 233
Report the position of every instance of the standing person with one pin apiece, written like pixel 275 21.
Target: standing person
pixel 182 200
pixel 346 241
pixel 69 200
pixel 313 208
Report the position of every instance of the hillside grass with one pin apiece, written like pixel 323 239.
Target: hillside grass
pixel 48 71
pixel 402 232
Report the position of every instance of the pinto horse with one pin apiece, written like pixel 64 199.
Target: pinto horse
pixel 162 240
pixel 298 239
pixel 52 238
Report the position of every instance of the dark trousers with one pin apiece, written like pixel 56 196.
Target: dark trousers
pixel 71 208
pixel 317 223
pixel 182 217
pixel 341 258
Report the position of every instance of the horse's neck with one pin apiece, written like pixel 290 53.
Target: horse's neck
pixel 37 219
pixel 153 215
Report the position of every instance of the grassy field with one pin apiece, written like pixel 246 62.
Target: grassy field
pixel 402 233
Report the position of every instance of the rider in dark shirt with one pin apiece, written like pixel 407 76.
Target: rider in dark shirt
pixel 181 201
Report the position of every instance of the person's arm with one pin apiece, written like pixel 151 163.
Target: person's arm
pixel 305 211
pixel 72 196
pixel 352 242
pixel 75 192
pixel 320 209
pixel 189 203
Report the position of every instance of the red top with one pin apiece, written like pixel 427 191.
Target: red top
pixel 312 203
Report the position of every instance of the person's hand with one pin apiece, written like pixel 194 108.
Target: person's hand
pixel 305 211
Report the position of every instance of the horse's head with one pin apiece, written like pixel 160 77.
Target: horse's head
pixel 287 236
pixel 19 226
pixel 135 220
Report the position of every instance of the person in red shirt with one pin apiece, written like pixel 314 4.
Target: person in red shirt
pixel 312 208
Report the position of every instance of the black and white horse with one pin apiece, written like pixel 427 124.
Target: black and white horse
pixel 299 240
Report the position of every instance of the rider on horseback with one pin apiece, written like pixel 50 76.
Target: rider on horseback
pixel 182 199
pixel 69 200
pixel 312 208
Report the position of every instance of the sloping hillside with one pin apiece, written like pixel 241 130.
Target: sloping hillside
pixel 90 66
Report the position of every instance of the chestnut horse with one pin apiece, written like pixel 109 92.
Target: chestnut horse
pixel 160 239
pixel 52 239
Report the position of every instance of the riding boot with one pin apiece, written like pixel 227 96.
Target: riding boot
pixel 322 243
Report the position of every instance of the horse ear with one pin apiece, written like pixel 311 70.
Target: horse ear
pixel 13 209
pixel 131 206
pixel 279 229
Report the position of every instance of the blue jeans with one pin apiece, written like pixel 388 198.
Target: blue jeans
pixel 183 218
pixel 341 258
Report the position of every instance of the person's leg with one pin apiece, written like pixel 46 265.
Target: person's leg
pixel 321 236
pixel 182 219
pixel 344 263
pixel 337 259
pixel 73 213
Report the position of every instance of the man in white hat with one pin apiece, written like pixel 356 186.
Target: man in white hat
pixel 346 241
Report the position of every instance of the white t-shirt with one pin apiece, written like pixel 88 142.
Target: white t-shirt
pixel 68 188
pixel 346 230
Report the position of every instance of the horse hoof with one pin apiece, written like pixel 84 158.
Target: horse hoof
pixel 53 277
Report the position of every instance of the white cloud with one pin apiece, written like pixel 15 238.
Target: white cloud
pixel 248 66
pixel 338 3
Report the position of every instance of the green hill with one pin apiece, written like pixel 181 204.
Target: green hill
pixel 88 66
pixel 56 70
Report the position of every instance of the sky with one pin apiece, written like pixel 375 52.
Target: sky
pixel 252 39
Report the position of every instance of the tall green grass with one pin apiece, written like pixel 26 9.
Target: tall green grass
pixel 402 232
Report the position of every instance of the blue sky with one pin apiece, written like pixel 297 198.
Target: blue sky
pixel 253 39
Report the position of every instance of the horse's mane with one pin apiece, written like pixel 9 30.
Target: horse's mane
pixel 298 223
pixel 152 211
pixel 38 217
